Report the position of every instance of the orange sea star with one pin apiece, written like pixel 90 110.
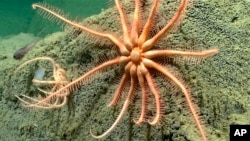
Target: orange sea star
pixel 138 53
pixel 51 100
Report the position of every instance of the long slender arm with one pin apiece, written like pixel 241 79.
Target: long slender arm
pixel 114 39
pixel 159 53
pixel 149 43
pixel 124 109
pixel 80 80
pixel 166 72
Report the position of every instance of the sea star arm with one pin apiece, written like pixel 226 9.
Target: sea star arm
pixel 157 99
pixel 65 93
pixel 48 82
pixel 144 95
pixel 135 23
pixel 124 108
pixel 38 58
pixel 43 104
pixel 119 90
pixel 46 102
pixel 148 24
pixel 151 42
pixel 166 72
pixel 125 29
pixel 114 39
pixel 79 81
pixel 159 53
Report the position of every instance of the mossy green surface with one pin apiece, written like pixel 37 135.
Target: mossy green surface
pixel 219 85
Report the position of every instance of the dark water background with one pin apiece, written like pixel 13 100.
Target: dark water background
pixel 17 16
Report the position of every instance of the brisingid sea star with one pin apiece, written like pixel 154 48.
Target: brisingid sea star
pixel 137 49
pixel 51 100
